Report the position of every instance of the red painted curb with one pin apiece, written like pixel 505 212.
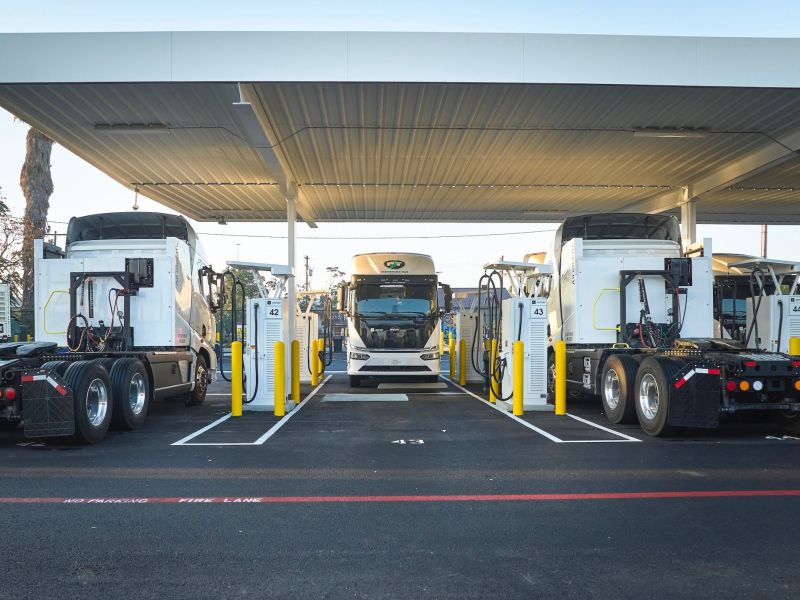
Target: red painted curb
pixel 409 498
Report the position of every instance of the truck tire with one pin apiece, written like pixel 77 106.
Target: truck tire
pixel 198 395
pixel 652 394
pixel 551 377
pixel 355 381
pixel 59 366
pixel 92 400
pixel 616 388
pixel 106 363
pixel 788 421
pixel 130 388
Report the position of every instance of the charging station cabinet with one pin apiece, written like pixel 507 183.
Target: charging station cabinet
pixel 777 320
pixel 265 326
pixel 466 323
pixel 306 330
pixel 525 319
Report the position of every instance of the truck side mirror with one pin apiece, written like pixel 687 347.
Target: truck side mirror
pixel 341 298
pixel 448 298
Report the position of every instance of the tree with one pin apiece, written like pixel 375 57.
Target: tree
pixel 37 185
pixel 10 248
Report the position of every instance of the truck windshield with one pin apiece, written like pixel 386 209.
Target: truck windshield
pixel 393 300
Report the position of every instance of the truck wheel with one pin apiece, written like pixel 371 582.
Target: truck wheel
pixel 788 421
pixel 355 381
pixel 551 377
pixel 652 395
pixel 198 395
pixel 59 366
pixel 130 388
pixel 616 388
pixel 92 400
pixel 106 363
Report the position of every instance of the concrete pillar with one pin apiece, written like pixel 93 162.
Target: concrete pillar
pixel 291 283
pixel 688 218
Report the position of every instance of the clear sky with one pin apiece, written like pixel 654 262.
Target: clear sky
pixel 81 189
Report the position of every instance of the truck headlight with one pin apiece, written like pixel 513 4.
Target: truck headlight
pixel 430 356
pixel 358 356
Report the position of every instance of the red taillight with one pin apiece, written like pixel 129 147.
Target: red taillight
pixel 10 393
pixel 750 363
pixel 731 386
pixel 796 363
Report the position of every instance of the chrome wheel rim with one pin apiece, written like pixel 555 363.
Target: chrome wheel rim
pixel 137 394
pixel 200 382
pixel 611 389
pixel 649 397
pixel 96 402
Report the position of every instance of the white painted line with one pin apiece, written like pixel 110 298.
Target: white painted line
pixel 523 422
pixel 439 385
pixel 598 441
pixel 282 422
pixel 365 398
pixel 626 437
pixel 182 441
pixel 259 441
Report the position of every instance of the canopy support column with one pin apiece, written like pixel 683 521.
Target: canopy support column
pixel 688 217
pixel 291 308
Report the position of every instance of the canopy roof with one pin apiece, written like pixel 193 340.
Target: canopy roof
pixel 422 127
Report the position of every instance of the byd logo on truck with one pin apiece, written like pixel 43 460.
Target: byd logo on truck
pixel 394 264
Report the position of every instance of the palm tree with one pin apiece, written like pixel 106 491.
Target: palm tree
pixel 37 185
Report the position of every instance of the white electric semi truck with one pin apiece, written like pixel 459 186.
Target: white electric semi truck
pixel 123 314
pixel 637 316
pixel 393 316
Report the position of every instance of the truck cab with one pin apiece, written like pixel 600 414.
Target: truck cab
pixel 394 318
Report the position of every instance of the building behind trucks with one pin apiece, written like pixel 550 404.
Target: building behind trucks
pixel 636 314
pixel 123 314
pixel 393 315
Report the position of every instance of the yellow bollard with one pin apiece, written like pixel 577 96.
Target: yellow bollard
pixel 236 379
pixel 296 371
pixel 16 337
pixel 280 379
pixel 312 350
pixel 519 378
pixel 321 351
pixel 794 346
pixel 441 342
pixel 452 358
pixel 462 362
pixel 218 336
pixel 28 338
pixel 494 385
pixel 561 377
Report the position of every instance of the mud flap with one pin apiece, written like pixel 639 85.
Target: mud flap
pixel 47 407
pixel 695 397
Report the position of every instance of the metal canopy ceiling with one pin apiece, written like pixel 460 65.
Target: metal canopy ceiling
pixel 478 151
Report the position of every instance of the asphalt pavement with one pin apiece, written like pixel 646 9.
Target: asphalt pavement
pixel 400 491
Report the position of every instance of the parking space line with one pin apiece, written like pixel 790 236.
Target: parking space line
pixel 282 422
pixel 550 436
pixel 626 437
pixel 260 440
pixel 523 422
pixel 182 441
